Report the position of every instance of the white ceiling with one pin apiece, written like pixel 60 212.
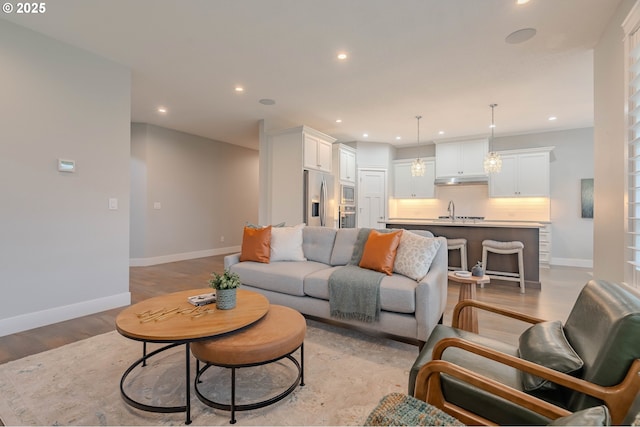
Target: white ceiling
pixel 446 60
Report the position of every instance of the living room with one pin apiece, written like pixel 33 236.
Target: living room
pixel 66 254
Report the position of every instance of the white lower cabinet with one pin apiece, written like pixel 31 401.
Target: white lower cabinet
pixel 545 245
pixel 407 186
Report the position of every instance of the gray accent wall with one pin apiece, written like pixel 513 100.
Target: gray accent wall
pixel 63 252
pixel 571 160
pixel 206 190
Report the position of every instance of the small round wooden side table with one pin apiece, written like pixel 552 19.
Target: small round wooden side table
pixel 468 316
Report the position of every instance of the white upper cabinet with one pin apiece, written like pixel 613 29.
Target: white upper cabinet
pixel 347 161
pixel 407 186
pixel 460 158
pixel 317 152
pixel 525 173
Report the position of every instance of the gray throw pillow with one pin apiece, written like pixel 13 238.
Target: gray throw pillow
pixel 545 344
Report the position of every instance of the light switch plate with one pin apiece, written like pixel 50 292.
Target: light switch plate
pixel 113 204
pixel 157 205
pixel 66 165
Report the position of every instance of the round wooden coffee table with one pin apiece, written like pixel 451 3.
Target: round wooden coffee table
pixel 274 337
pixel 173 320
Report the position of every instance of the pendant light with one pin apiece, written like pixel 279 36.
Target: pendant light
pixel 418 166
pixel 492 162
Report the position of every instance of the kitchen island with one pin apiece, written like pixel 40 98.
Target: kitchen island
pixel 475 231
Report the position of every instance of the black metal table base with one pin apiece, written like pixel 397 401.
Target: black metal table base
pixel 232 406
pixel 162 409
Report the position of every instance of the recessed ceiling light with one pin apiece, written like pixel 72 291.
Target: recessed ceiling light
pixel 441 132
pixel 522 1
pixel 239 89
pixel 338 120
pixel 162 110
pixel 342 56
pixel 552 118
pixel 365 135
pixel 520 36
pixel 267 101
pixel 492 126
pixel 398 138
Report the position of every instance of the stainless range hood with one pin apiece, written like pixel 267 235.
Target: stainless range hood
pixel 465 180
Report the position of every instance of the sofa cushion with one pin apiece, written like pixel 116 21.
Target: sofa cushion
pixel 343 246
pixel 284 277
pixel 545 344
pixel 397 293
pixel 317 243
pixel 256 244
pixel 415 255
pixel 286 243
pixel 380 251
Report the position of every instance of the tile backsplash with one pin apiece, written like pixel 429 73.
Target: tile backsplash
pixel 472 200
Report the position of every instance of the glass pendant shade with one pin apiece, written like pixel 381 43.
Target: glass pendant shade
pixel 417 167
pixel 492 163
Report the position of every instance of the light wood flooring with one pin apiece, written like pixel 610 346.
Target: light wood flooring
pixel 560 287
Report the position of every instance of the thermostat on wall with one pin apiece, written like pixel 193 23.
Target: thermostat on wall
pixel 66 165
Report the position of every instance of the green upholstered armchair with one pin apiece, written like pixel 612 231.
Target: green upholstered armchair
pixel 556 370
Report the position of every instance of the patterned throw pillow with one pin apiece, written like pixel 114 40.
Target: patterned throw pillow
pixel 415 255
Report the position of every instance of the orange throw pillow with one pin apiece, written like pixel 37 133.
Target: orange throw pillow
pixel 380 251
pixel 256 244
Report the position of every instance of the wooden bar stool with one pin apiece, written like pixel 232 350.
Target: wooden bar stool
pixel 504 248
pixel 461 244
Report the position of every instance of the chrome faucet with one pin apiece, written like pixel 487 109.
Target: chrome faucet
pixel 451 209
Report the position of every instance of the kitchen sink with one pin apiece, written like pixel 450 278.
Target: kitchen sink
pixel 463 219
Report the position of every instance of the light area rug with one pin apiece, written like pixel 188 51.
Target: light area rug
pixel 346 375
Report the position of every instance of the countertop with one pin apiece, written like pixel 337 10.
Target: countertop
pixel 467 223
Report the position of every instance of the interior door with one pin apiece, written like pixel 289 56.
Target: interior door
pixel 372 198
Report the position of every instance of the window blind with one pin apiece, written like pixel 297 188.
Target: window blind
pixel 633 117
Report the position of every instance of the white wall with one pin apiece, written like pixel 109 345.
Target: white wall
pixel 63 253
pixel 207 191
pixel 609 149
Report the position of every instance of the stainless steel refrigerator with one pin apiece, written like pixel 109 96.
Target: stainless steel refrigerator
pixel 318 199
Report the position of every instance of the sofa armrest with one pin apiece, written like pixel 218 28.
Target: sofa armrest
pixel 431 293
pixel 229 260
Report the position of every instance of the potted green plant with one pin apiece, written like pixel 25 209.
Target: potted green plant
pixel 225 285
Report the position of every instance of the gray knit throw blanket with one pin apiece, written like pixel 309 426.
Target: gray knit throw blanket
pixel 354 293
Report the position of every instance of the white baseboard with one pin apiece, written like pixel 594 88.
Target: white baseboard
pixel 145 262
pixel 572 262
pixel 49 316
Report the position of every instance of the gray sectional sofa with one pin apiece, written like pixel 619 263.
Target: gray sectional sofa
pixel 410 310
